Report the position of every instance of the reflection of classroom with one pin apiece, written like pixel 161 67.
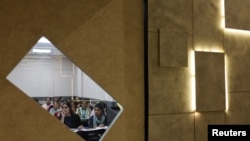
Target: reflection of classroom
pixel 65 91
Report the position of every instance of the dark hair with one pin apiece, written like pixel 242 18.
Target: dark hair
pixel 69 105
pixel 101 106
pixel 56 101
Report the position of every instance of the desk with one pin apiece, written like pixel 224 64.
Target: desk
pixel 90 134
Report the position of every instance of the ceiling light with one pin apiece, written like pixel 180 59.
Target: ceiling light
pixel 43 40
pixel 41 50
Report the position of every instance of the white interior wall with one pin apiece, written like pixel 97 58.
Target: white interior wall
pixel 54 76
pixel 93 90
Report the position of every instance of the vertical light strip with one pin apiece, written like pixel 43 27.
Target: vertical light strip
pixel 226 60
pixel 192 80
pixel 226 83
pixel 222 14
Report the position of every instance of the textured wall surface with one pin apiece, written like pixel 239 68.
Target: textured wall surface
pixel 210 81
pixel 236 14
pixel 173 54
pixel 103 38
pixel 172 89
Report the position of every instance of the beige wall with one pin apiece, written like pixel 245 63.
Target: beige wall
pixel 104 38
pixel 175 89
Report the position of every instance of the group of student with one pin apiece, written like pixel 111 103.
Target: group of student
pixel 82 116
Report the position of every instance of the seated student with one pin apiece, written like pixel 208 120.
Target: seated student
pixel 99 119
pixel 104 107
pixel 56 109
pixel 69 118
pixel 47 106
pixel 84 113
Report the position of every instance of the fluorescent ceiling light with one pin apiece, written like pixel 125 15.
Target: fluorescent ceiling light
pixel 43 40
pixel 41 50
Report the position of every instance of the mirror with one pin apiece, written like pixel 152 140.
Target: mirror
pixel 46 75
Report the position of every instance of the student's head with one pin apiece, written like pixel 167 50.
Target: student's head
pixel 84 104
pixel 55 99
pixel 56 104
pixel 99 109
pixel 48 100
pixel 67 109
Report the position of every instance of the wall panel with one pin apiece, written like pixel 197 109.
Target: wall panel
pixel 173 54
pixel 210 81
pixel 237 14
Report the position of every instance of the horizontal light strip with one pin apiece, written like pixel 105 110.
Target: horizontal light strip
pixel 41 50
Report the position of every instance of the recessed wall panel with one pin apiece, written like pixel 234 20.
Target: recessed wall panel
pixel 210 81
pixel 237 14
pixel 173 48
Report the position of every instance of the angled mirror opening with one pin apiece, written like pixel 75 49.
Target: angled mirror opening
pixel 46 75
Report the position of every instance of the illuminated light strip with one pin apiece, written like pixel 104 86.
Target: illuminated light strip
pixel 237 31
pixel 214 49
pixel 223 26
pixel 222 14
pixel 192 81
pixel 209 49
pixel 229 31
pixel 192 62
pixel 201 48
pixel 226 84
